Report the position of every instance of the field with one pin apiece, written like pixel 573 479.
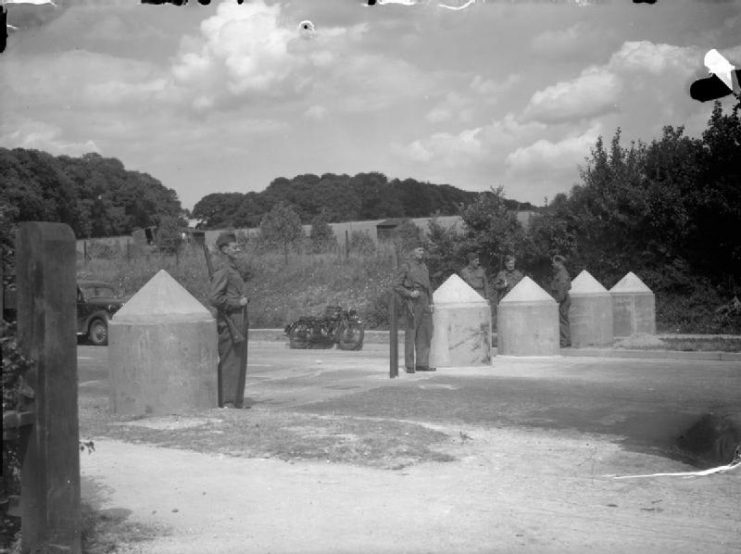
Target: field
pixel 280 291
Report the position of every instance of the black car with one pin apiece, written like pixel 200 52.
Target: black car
pixel 96 303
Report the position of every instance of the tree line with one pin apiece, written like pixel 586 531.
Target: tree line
pixel 95 196
pixel 668 210
pixel 337 198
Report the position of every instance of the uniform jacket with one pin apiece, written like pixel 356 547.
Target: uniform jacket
pixel 476 278
pixel 561 284
pixel 413 275
pixel 227 287
pixel 511 278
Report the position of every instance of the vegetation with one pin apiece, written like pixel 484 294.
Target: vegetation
pixel 95 196
pixel 666 210
pixel 322 236
pixel 365 196
pixel 281 226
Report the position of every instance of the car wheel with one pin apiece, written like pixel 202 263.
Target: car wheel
pixel 98 332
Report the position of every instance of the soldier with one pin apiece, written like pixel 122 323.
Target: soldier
pixel 412 283
pixel 227 296
pixel 475 276
pixel 507 278
pixel 560 286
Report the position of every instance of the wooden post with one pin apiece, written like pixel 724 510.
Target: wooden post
pixel 50 477
pixel 393 336
pixel 347 245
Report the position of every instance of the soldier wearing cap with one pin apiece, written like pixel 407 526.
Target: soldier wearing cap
pixel 412 283
pixel 475 276
pixel 507 278
pixel 560 286
pixel 226 294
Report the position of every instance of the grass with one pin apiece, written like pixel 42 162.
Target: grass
pixel 265 433
pixel 279 292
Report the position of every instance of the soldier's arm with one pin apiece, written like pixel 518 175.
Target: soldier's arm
pixel 398 283
pixel 217 292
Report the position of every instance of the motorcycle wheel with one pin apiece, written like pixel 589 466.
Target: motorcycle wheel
pixel 351 335
pixel 300 336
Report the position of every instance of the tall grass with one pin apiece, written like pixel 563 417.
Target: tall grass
pixel 279 292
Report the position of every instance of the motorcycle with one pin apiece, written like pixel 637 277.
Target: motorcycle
pixel 336 326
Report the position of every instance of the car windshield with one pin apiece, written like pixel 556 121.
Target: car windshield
pixel 98 291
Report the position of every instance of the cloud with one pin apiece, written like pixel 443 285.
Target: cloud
pixel 486 144
pixel 646 57
pixel 599 90
pixel 242 50
pixel 44 136
pixel 316 112
pixel 460 105
pixel 594 92
pixel 446 149
pixel 543 156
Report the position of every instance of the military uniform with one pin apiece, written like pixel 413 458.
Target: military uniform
pixel 505 281
pixel 476 278
pixel 560 286
pixel 413 275
pixel 227 287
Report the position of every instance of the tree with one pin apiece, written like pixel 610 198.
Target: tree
pixel 281 226
pixel 322 236
pixel 362 243
pixel 492 228
pixel 170 236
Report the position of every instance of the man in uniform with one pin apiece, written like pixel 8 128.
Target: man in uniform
pixel 412 283
pixel 560 286
pixel 507 278
pixel 475 276
pixel 226 294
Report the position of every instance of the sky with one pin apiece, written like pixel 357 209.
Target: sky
pixel 228 97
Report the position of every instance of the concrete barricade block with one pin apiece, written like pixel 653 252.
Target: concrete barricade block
pixel 462 326
pixel 590 314
pixel 527 322
pixel 162 352
pixel 633 308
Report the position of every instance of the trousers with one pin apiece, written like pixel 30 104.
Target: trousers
pixel 230 363
pixel 418 336
pixel 564 329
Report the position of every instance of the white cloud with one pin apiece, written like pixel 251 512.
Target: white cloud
pixel 594 92
pixel 44 136
pixel 446 149
pixel 548 156
pixel 316 112
pixel 646 57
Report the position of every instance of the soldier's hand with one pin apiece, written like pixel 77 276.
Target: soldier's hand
pixel 243 301
pixel 414 294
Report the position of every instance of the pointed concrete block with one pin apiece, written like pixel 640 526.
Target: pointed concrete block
pixel 162 297
pixel 633 307
pixel 527 290
pixel 527 321
pixel 461 326
pixel 590 313
pixel 456 291
pixel 162 351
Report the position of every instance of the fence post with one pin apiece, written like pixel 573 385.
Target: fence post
pixel 50 477
pixel 393 337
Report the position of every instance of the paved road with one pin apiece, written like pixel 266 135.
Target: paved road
pixel 645 404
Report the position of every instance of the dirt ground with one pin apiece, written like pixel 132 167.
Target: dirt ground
pixel 321 463
pixel 507 491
